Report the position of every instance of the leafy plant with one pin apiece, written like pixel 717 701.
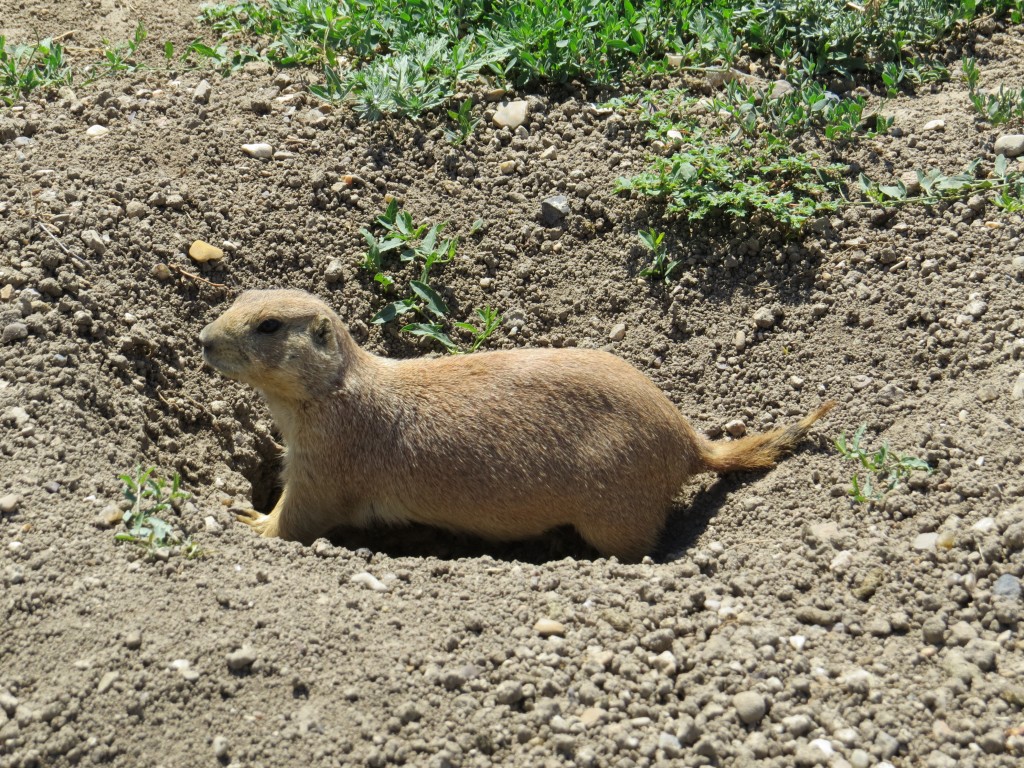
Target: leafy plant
pixel 151 496
pixel 996 107
pixel 24 68
pixel 660 267
pixel 937 186
pixel 465 123
pixel 708 179
pixel 490 320
pixel 808 107
pixel 120 56
pixel 880 470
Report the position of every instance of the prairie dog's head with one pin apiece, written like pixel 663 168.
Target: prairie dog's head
pixel 287 344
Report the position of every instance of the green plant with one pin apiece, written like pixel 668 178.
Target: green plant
pixel 465 123
pixel 937 186
pixel 24 68
pixel 898 74
pixel 490 320
pixel 808 107
pixel 151 496
pixel 883 469
pixel 120 56
pixel 660 267
pixel 996 107
pixel 765 177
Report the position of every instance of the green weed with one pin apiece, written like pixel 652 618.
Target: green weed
pixel 808 107
pixel 489 319
pixel 422 245
pixel 25 68
pixel 661 266
pixel 119 57
pixel 465 123
pixel 151 496
pixel 767 177
pixel 880 470
pixel 937 186
pixel 996 107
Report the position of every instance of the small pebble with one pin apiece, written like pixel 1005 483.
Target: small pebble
pixel 14 332
pixel 549 627
pixel 241 659
pixel 261 151
pixel 94 242
pixel 511 114
pixel 750 706
pixel 934 125
pixel 335 271
pixel 736 427
pixel 1006 586
pixel 553 209
pixel 202 252
pixel 507 167
pixel 201 94
pixel 221 746
pixel 764 318
pixel 133 640
pixel 1010 144
pixel 925 542
pixel 618 332
pixel 95 131
pixel 9 503
pixel 369 580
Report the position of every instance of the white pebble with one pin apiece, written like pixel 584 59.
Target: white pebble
pixel 369 580
pixel 262 151
pixel 95 131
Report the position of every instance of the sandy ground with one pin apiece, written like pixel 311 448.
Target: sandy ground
pixel 781 623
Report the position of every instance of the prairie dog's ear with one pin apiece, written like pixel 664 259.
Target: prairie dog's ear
pixel 322 330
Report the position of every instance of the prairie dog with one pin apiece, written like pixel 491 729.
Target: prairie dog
pixel 504 445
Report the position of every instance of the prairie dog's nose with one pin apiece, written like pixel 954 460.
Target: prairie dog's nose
pixel 205 337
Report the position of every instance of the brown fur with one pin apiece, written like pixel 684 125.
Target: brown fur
pixel 503 445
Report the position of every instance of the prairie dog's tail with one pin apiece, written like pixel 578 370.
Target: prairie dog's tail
pixel 759 451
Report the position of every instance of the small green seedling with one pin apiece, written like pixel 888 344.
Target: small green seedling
pixel 490 319
pixel 24 68
pixel 150 496
pixel 883 469
pixel 660 267
pixel 465 123
pixel 996 107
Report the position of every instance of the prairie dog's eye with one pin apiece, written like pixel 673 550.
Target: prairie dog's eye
pixel 268 326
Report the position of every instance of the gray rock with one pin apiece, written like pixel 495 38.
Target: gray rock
pixel 133 640
pixel 750 706
pixel 736 427
pixel 1017 393
pixel 136 209
pixel 764 318
pixel 554 209
pixel 241 659
pixel 9 503
pixel 1006 586
pixel 94 242
pixel 618 332
pixel 335 271
pixel 14 332
pixel 933 631
pixel 808 614
pixel 201 95
pixel 508 692
pixel 1010 144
